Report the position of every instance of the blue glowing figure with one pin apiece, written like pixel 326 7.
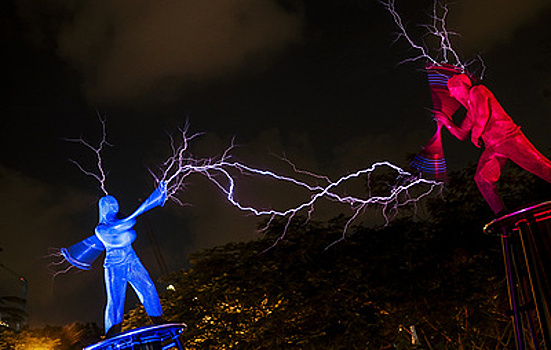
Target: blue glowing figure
pixel 121 264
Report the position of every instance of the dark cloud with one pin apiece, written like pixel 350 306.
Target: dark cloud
pixel 36 217
pixel 482 24
pixel 131 48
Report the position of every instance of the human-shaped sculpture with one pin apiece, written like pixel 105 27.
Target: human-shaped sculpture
pixel 121 264
pixel 490 127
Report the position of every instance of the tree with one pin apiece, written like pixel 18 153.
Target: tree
pixel 26 340
pixel 438 283
pixel 69 337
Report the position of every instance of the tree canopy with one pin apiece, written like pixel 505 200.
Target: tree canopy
pixel 434 284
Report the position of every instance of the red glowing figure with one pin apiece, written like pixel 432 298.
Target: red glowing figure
pixel 491 128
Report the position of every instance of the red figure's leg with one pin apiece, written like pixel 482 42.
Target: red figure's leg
pixel 524 154
pixel 488 171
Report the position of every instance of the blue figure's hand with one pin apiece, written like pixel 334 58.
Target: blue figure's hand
pixel 157 198
pixel 162 190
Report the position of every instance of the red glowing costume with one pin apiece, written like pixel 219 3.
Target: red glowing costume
pixel 490 127
pixel 430 161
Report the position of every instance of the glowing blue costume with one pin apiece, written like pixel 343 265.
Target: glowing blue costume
pixel 121 264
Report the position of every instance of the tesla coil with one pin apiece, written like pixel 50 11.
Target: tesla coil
pixel 526 244
pixel 157 337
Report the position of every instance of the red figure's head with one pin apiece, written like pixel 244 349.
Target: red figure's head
pixel 459 86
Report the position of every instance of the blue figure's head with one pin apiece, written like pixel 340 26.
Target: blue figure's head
pixel 108 209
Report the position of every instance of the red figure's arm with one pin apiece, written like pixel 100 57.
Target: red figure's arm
pixel 461 131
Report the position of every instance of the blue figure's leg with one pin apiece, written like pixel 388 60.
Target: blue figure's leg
pixel 115 285
pixel 145 289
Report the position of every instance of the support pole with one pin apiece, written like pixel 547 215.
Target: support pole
pixel 526 243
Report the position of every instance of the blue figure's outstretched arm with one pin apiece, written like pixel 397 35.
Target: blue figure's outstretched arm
pixel 83 253
pixel 118 232
pixel 157 198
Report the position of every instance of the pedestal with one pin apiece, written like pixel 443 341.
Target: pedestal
pixel 158 337
pixel 526 243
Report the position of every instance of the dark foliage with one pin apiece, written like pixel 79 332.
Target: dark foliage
pixel 438 283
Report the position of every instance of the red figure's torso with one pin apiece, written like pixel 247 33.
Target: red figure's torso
pixel 494 122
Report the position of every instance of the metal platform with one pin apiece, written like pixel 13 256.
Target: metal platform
pixel 157 337
pixel 526 243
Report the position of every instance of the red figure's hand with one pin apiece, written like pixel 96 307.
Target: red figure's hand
pixel 441 118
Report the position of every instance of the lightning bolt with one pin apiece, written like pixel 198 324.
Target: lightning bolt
pixel 225 172
pixel 58 265
pixel 101 175
pixel 424 52
pixel 437 29
pixel 62 266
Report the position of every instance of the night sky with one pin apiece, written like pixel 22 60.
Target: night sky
pixel 318 81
